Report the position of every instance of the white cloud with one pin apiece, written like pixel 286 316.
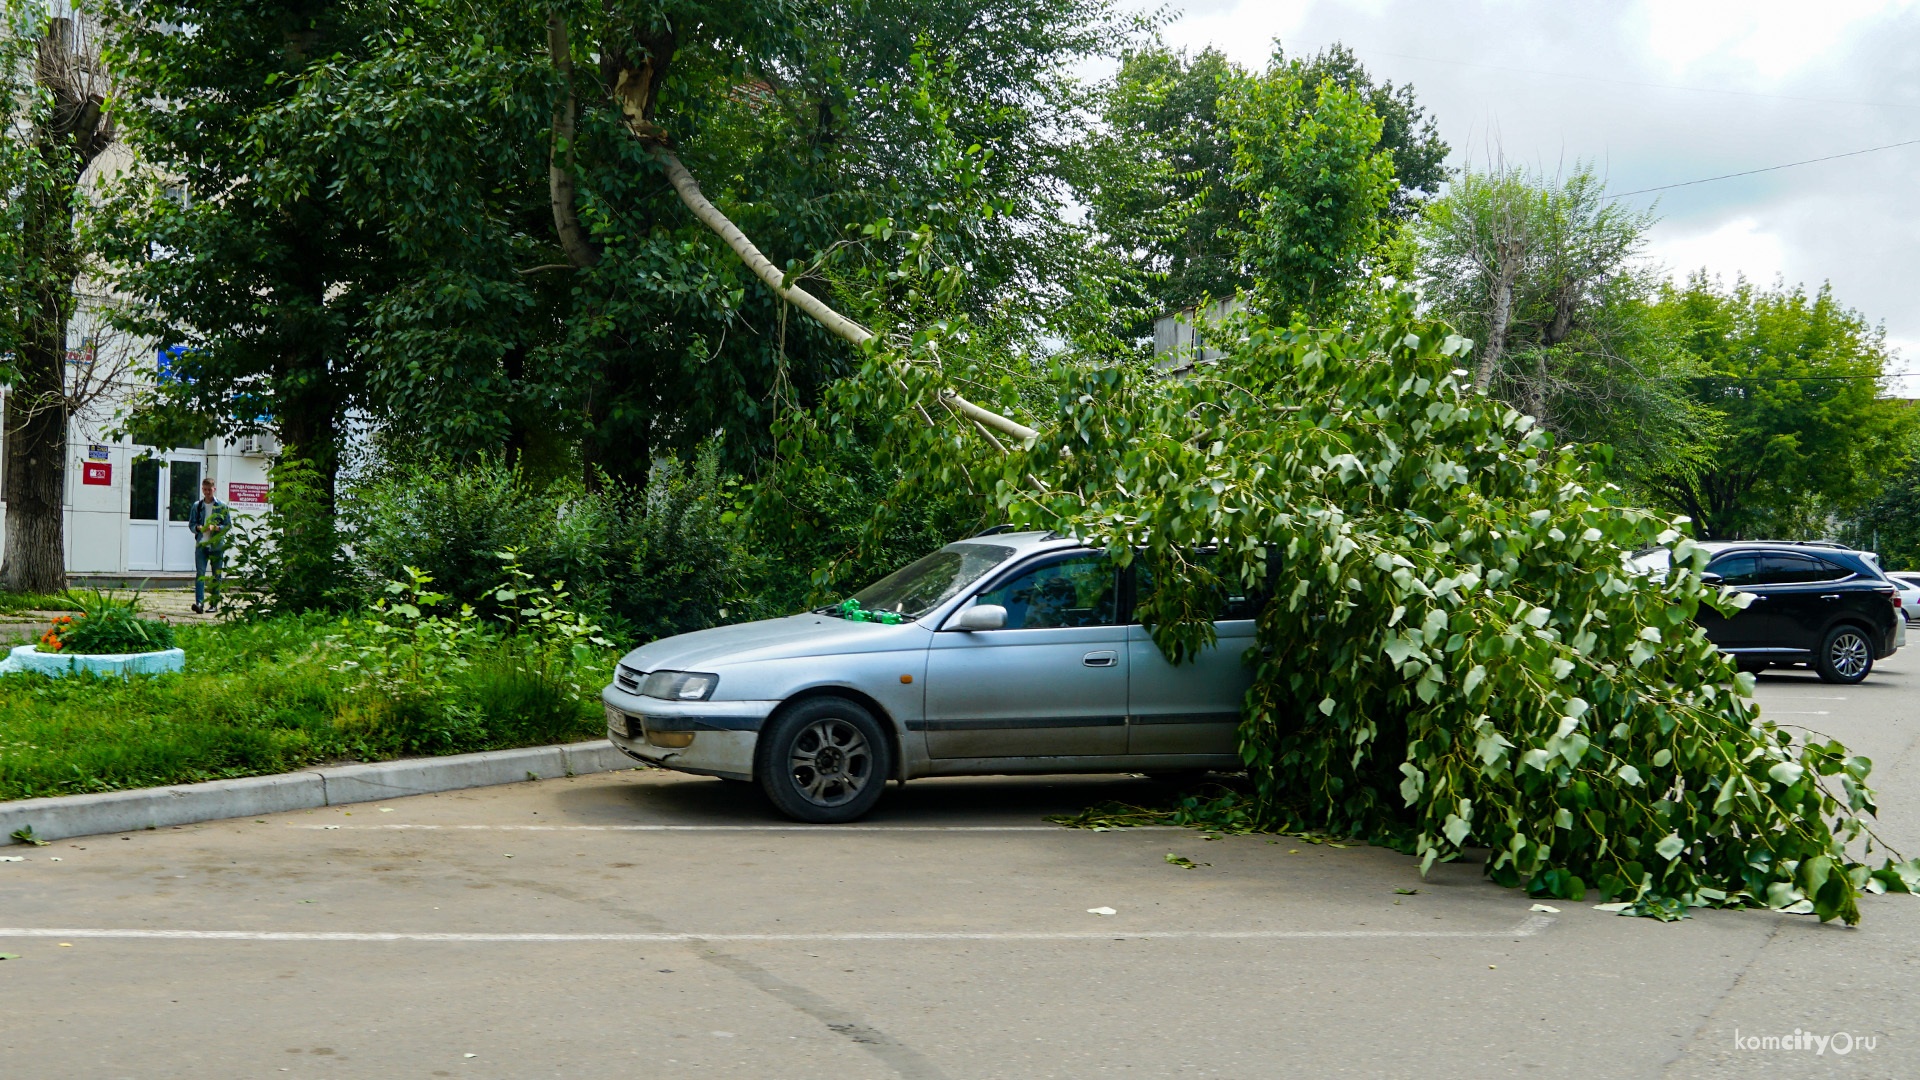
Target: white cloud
pixel 1737 247
pixel 1773 37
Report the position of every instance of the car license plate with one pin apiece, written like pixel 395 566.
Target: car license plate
pixel 617 722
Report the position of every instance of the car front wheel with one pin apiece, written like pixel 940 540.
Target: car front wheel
pixel 824 761
pixel 1846 657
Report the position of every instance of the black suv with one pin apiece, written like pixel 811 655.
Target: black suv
pixel 1813 603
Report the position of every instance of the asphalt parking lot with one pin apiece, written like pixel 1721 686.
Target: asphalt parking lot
pixel 651 925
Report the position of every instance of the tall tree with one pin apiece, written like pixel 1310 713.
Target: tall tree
pixel 54 124
pixel 543 287
pixel 1794 381
pixel 1160 180
pixel 1547 276
pixel 1306 155
pixel 261 291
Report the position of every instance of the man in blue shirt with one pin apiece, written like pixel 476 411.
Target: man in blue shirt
pixel 209 522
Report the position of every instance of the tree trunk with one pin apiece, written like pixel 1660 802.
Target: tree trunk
pixel 1507 271
pixel 566 219
pixel 66 134
pixel 36 423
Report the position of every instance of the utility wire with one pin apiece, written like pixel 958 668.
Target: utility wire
pixel 1770 168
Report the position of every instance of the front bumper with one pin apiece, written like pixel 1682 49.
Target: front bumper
pixel 717 737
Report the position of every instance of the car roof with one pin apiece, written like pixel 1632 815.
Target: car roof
pixel 1817 545
pixel 1022 542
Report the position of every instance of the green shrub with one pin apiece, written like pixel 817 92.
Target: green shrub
pixel 106 624
pixel 840 518
pixel 292 560
pixel 660 560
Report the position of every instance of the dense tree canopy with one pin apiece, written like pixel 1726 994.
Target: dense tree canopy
pixel 496 261
pixel 1173 197
pixel 1793 381
pixel 259 292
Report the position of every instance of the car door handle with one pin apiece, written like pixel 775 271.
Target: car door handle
pixel 1103 658
pixel 1830 596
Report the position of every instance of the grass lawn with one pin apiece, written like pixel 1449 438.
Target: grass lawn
pixel 11 602
pixel 274 695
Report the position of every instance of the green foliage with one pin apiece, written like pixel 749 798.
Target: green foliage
pixel 663 559
pixel 1890 522
pixel 1159 179
pixel 1307 154
pixel 403 228
pixel 1546 275
pixel 107 624
pixel 1792 380
pixel 1454 655
pixel 293 560
pixel 822 529
pixel 266 290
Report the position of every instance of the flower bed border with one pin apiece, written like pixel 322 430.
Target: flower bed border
pixel 56 665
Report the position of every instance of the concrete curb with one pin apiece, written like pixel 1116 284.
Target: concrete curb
pixel 150 808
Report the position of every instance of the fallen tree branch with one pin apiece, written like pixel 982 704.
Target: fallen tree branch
pixel 837 324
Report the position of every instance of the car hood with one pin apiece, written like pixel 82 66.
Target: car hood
pixel 773 639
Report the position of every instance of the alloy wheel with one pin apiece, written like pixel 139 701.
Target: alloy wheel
pixel 1849 655
pixel 831 762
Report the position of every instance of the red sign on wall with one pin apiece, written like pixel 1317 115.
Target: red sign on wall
pixel 96 472
pixel 249 494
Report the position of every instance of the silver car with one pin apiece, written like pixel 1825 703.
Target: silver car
pixel 1008 653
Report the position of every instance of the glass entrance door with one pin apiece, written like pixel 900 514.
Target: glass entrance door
pixel 161 494
pixel 183 490
pixel 143 515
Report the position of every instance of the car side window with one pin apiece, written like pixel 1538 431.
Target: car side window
pixel 1081 591
pixel 1235 602
pixel 1790 570
pixel 1828 571
pixel 1737 570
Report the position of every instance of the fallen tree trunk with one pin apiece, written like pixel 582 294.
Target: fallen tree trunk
pixel 839 325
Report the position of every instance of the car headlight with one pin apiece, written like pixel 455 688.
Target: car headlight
pixel 680 685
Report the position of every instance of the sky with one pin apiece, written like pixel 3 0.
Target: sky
pixel 1662 92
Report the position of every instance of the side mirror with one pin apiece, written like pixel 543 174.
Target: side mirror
pixel 982 617
pixel 1711 578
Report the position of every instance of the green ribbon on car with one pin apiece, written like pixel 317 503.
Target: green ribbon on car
pixel 851 611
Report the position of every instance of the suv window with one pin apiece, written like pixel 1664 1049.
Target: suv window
pixel 1077 591
pixel 1737 570
pixel 1796 570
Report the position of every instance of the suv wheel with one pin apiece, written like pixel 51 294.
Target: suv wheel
pixel 824 761
pixel 1846 657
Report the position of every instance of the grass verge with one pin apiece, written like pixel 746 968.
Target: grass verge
pixel 270 696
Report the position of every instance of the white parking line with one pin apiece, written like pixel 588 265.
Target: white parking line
pixel 722 828
pixel 1532 925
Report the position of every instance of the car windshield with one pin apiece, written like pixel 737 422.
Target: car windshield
pixel 919 588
